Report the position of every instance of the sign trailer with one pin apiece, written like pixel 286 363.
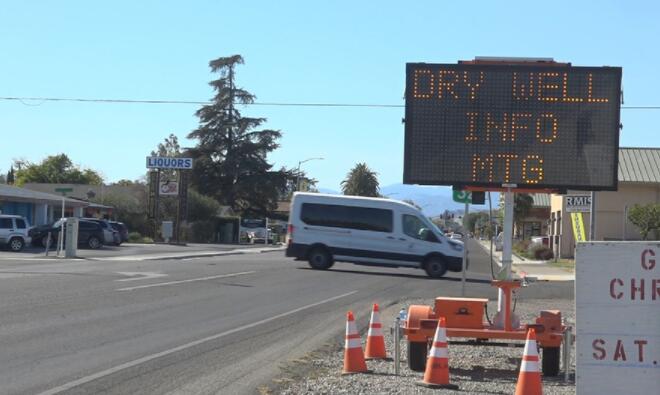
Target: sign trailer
pixel 507 124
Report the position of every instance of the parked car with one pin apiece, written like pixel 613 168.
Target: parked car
pixel 368 231
pixel 90 234
pixel 14 232
pixel 456 236
pixel 110 235
pixel 122 229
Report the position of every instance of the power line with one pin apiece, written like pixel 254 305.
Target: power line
pixel 23 100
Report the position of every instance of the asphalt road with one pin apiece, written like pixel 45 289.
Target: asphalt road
pixel 200 325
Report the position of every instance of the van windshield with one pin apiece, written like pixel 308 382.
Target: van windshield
pixel 435 228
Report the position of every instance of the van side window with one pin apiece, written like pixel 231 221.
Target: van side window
pixel 20 223
pixel 413 226
pixel 336 216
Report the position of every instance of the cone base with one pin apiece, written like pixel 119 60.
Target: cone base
pixel 437 386
pixel 349 373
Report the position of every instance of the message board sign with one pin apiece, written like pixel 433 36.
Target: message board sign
pixel 534 126
pixel 617 298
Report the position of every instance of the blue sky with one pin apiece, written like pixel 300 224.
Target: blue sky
pixel 295 52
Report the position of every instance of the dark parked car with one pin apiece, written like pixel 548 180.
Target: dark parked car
pixel 122 229
pixel 111 236
pixel 90 234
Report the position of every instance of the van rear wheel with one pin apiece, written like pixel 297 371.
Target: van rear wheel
pixel 320 259
pixel 435 267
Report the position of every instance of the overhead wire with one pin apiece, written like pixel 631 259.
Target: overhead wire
pixel 42 100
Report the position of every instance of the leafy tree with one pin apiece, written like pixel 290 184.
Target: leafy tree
pixel 522 205
pixel 128 183
pixel 646 218
pixel 11 178
pixel 56 169
pixel 231 153
pixel 361 181
pixel 168 148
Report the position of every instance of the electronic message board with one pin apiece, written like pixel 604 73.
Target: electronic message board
pixel 535 126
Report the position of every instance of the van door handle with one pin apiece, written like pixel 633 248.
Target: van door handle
pixel 390 237
pixel 402 239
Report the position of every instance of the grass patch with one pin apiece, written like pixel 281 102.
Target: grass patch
pixel 564 264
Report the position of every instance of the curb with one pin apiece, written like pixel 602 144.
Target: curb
pixel 188 256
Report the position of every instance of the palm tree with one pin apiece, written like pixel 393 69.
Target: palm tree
pixel 361 181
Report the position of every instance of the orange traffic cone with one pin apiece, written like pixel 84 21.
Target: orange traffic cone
pixel 529 379
pixel 353 356
pixel 375 341
pixel 436 374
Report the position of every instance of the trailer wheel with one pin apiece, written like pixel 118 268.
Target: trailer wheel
pixel 550 361
pixel 417 353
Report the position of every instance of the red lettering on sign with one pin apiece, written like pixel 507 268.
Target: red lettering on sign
pixel 648 263
pixel 614 281
pixel 634 290
pixel 597 345
pixel 640 349
pixel 619 352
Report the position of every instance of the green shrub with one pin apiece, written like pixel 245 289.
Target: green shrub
pixel 202 231
pixel 541 252
pixel 136 237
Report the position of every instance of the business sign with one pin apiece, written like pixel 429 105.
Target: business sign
pixel 168 188
pixel 533 126
pixel 617 296
pixel 578 227
pixel 159 162
pixel 578 203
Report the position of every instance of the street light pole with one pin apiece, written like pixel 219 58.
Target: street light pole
pixel 298 173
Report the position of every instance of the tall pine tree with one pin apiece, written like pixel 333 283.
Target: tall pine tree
pixel 231 154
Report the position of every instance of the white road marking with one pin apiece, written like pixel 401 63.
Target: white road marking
pixel 185 281
pixel 140 275
pixel 107 372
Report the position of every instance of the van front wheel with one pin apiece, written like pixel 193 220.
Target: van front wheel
pixel 435 267
pixel 320 259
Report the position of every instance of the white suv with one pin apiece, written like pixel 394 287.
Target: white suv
pixel 14 232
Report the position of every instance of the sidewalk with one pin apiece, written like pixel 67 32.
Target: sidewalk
pixel 522 267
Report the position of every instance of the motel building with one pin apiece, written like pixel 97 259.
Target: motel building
pixel 38 208
pixel 639 183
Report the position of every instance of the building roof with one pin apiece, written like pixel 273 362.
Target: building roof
pixel 541 199
pixel 16 194
pixel 639 165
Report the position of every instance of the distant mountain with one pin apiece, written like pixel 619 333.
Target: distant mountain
pixel 433 200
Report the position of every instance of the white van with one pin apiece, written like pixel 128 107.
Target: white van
pixel 324 229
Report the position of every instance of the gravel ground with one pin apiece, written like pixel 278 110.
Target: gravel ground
pixel 476 370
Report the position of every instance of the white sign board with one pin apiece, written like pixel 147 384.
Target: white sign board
pixel 159 162
pixel 617 298
pixel 168 188
pixel 578 203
